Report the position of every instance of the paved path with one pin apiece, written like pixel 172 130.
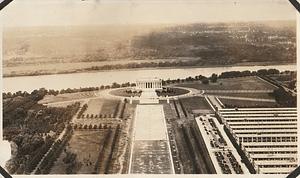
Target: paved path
pixel 192 92
pixel 214 101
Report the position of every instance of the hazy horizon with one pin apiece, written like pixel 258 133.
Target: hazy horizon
pixel 144 12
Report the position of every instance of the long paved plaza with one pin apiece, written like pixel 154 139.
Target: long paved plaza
pixel 150 153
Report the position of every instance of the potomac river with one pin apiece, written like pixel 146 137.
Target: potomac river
pixel 93 79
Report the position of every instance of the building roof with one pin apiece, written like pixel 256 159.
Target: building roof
pixel 148 79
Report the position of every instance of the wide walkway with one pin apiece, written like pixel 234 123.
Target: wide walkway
pixel 150 152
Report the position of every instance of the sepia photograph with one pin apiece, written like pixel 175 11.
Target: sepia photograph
pixel 94 87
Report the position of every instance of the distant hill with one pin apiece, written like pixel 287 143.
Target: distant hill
pixel 109 47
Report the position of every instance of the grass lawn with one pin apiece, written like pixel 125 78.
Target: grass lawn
pixel 229 103
pixel 195 103
pixel 109 106
pixel 94 107
pixel 67 97
pixel 245 95
pixel 122 92
pixel 86 145
pixel 239 83
pixel 173 92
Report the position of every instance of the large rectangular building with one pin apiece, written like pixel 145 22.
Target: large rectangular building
pixel 268 136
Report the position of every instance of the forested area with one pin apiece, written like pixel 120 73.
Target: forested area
pixel 32 128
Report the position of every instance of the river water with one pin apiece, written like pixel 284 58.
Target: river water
pixel 92 79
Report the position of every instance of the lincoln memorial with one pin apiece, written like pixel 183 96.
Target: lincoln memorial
pixel 148 86
pixel 149 83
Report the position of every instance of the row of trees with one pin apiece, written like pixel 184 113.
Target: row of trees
pixel 230 74
pixel 82 110
pixel 285 98
pixel 54 152
pixel 91 116
pixel 86 126
pixel 145 65
pixel 40 93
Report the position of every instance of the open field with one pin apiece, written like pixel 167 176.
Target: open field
pixel 62 104
pixel 122 92
pixel 86 144
pixel 245 103
pixel 110 107
pixel 173 92
pixel 195 104
pixel 239 83
pixel 245 95
pixel 94 107
pixel 67 97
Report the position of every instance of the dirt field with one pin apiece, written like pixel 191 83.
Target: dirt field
pixel 239 83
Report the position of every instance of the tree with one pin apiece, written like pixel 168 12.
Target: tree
pixel 115 85
pixel 214 78
pixel 262 72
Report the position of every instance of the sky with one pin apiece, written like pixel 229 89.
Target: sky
pixel 98 12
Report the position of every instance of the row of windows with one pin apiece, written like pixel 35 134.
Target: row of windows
pixel 275 159
pixel 272 152
pixel 260 115
pixel 255 124
pixel 268 139
pixel 259 109
pixel 263 112
pixel 278 166
pixel 263 128
pixel 270 146
pixel 280 132
pixel 261 120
